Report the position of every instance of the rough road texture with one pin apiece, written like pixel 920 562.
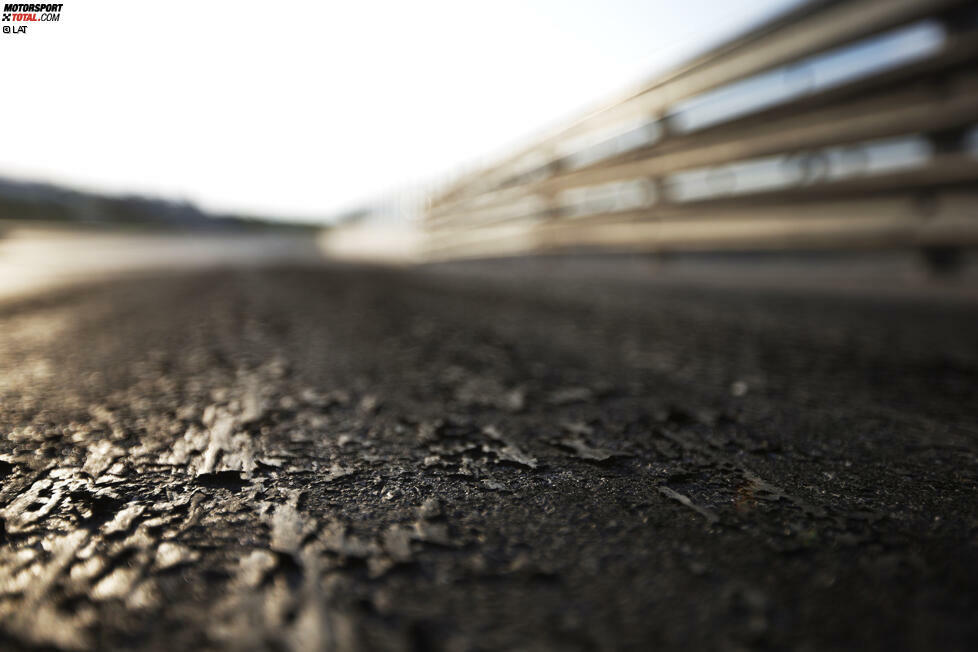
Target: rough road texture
pixel 365 459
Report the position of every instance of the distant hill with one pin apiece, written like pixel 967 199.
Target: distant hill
pixel 28 201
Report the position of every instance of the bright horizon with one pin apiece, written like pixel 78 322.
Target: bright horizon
pixel 302 111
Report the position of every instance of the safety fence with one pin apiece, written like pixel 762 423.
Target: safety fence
pixel 840 124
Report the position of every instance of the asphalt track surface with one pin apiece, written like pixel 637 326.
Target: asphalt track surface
pixel 352 458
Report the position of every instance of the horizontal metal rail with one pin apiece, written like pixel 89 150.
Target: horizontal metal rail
pixel 893 220
pixel 514 207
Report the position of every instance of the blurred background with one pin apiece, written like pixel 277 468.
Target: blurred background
pixel 140 136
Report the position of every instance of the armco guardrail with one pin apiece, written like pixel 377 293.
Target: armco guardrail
pixel 839 124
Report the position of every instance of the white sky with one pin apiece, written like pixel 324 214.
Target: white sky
pixel 301 109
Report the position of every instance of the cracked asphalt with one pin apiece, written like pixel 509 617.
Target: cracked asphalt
pixel 354 458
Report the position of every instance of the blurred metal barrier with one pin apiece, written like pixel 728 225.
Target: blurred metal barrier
pixel 839 124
